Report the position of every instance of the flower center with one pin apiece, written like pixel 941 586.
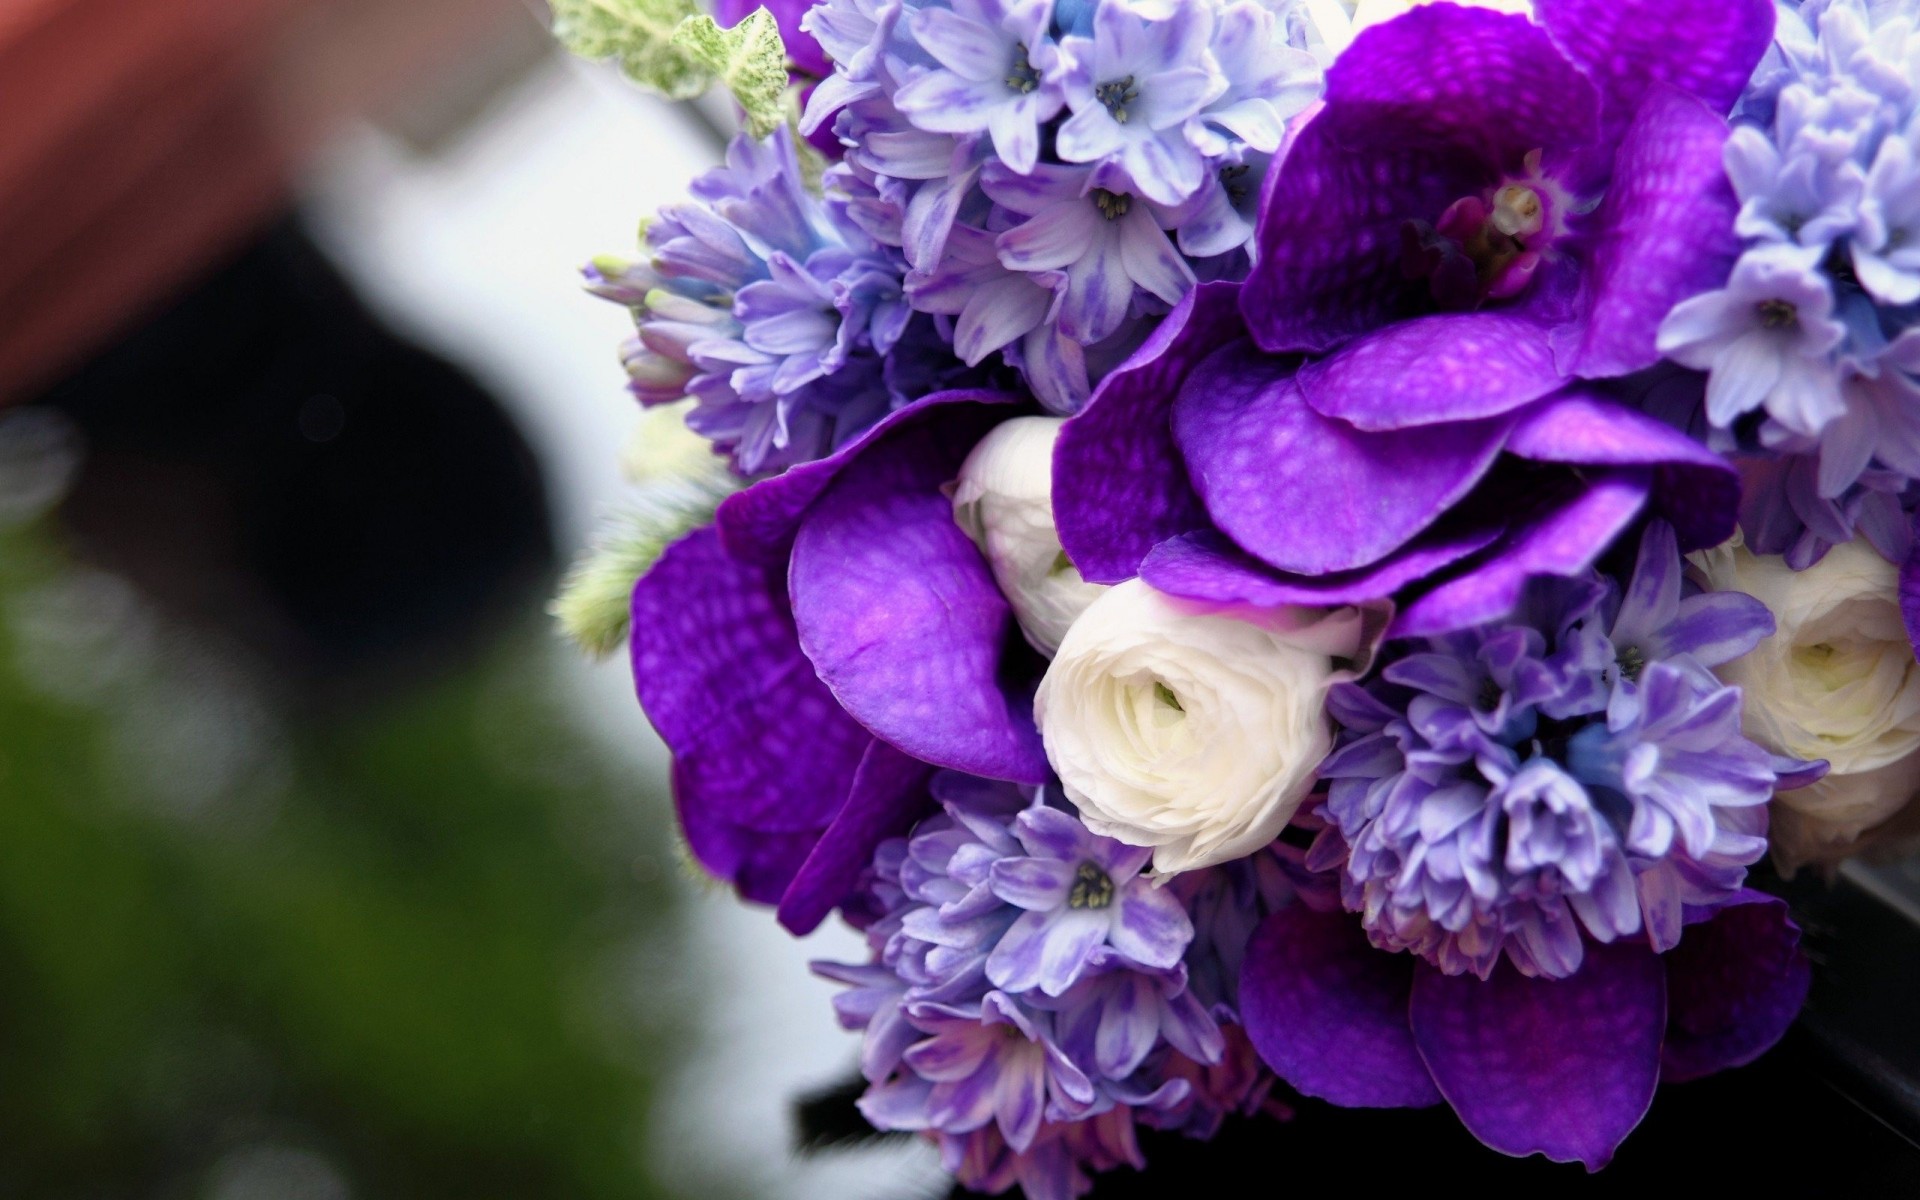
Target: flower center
pixel 1234 180
pixel 1021 77
pixel 1484 247
pixel 1165 695
pixel 1116 94
pixel 1092 887
pixel 1778 314
pixel 1112 205
pixel 1631 660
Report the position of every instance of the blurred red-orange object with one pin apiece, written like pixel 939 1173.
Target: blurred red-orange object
pixel 139 139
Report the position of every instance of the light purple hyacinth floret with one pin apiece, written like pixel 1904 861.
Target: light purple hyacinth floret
pixel 1574 773
pixel 1813 344
pixel 775 312
pixel 1028 1001
pixel 1057 176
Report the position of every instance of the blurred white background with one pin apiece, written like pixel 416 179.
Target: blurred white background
pixel 470 242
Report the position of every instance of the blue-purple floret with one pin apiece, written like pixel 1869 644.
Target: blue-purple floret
pixel 1032 995
pixel 1057 176
pixel 1812 345
pixel 1574 773
pixel 773 310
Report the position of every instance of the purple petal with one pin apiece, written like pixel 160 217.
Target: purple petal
pixel 1564 1068
pixel 763 757
pixel 1420 111
pixel 1119 484
pixel 1047 950
pixel 1696 490
pixel 951 1058
pixel 1282 481
pixel 1910 589
pixel 899 612
pixel 1575 522
pixel 1151 926
pixel 901 1103
pixel 1206 566
pixel 1129 1025
pixel 1665 231
pixel 1052 833
pixel 758 524
pixel 1035 884
pixel 889 792
pixel 1451 367
pixel 1328 1012
pixel 1734 984
pixel 1715 627
pixel 1708 48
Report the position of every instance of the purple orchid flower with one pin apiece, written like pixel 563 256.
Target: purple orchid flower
pixel 1461 265
pixel 1201 467
pixel 1564 1068
pixel 808 668
pixel 1083 895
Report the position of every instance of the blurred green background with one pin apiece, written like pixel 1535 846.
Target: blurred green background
pixel 391 951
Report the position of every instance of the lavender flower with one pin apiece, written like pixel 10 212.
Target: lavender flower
pixel 1268 80
pixel 1106 244
pixel 1000 74
pixel 1574 772
pixel 1080 895
pixel 1029 1001
pixel 1767 338
pixel 1886 243
pixel 1807 327
pixel 775 312
pixel 991 1061
pixel 1089 139
pixel 1133 85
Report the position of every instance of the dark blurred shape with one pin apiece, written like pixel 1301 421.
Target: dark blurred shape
pixel 265 459
pixel 253 947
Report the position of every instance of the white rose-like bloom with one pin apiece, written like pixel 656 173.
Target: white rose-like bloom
pixel 1338 22
pixel 1837 680
pixel 1195 732
pixel 1004 501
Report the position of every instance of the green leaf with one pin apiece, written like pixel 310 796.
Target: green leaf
pixel 749 59
pixel 594 605
pixel 641 34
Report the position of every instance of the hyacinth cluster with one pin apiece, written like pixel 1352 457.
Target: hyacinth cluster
pixel 1571 773
pixel 1059 173
pixel 1033 996
pixel 1811 346
pixel 1182 430
pixel 780 318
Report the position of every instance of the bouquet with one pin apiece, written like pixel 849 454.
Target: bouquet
pixel 1280 542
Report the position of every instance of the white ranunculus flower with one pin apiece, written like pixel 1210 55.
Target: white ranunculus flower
pixel 1338 22
pixel 1837 680
pixel 1004 501
pixel 1197 732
